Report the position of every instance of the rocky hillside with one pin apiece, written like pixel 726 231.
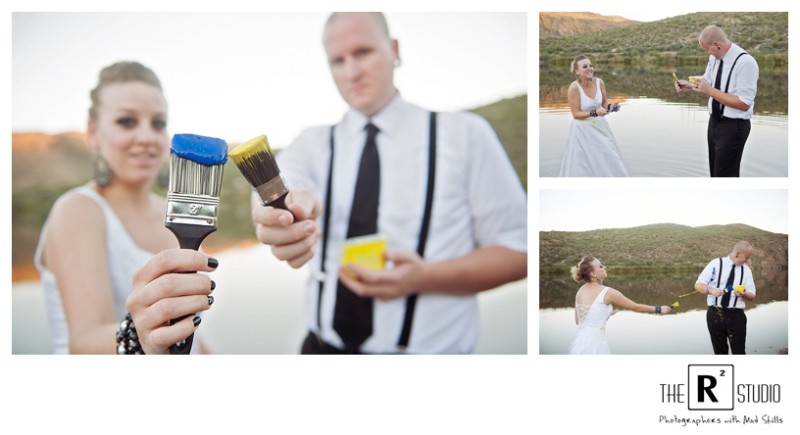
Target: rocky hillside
pixel 662 246
pixel 44 166
pixel 756 32
pixel 576 23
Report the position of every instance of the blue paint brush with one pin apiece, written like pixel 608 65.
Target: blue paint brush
pixel 195 180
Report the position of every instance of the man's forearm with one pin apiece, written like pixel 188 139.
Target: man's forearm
pixel 482 269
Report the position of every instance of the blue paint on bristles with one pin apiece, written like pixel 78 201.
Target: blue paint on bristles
pixel 201 149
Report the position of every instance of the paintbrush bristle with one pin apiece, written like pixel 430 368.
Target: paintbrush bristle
pixel 255 161
pixel 193 178
pixel 196 165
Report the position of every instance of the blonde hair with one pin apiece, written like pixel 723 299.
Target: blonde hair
pixel 121 72
pixel 582 272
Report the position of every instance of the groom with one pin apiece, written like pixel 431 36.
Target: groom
pixel 730 82
pixel 725 317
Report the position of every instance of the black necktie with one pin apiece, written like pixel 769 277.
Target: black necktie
pixel 352 318
pixel 726 298
pixel 716 110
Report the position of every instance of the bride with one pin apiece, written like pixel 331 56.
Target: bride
pixel 594 304
pixel 592 150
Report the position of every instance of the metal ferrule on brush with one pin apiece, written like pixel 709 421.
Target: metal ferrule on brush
pixel 194 189
pixel 272 190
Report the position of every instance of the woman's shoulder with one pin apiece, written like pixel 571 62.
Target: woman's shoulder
pixel 76 207
pixel 573 89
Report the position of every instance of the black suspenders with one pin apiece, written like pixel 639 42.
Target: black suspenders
pixel 411 301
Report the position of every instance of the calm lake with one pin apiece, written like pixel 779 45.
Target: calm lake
pixel 661 133
pixel 680 333
pixel 259 310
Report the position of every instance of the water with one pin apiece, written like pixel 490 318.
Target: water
pixel 661 133
pixel 683 332
pixel 259 310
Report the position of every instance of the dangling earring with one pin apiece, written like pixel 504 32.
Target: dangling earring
pixel 397 62
pixel 102 172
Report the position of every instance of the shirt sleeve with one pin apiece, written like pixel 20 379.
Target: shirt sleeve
pixel 304 162
pixel 710 273
pixel 746 79
pixel 497 199
pixel 749 282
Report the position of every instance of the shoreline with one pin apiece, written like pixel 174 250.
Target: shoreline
pixel 28 272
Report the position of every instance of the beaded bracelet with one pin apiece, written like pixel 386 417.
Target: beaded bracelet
pixel 593 113
pixel 127 339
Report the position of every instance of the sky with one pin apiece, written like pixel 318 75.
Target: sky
pixel 239 75
pixel 590 209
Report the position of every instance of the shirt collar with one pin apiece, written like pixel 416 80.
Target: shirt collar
pixel 384 120
pixel 732 53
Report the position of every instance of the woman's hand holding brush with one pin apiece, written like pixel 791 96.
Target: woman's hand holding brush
pixel 162 291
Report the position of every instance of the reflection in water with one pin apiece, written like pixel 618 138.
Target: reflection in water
pixel 660 132
pixel 659 289
pixel 683 332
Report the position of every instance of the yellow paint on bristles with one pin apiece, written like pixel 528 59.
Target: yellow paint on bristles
pixel 250 148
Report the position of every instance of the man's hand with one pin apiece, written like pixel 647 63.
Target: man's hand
pixel 403 279
pixel 683 86
pixel 704 87
pixel 292 236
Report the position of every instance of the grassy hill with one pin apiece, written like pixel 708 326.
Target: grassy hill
pixel 45 166
pixel 756 32
pixel 666 247
pixel 510 121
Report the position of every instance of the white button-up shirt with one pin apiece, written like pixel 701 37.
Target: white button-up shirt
pixel 711 275
pixel 743 82
pixel 478 201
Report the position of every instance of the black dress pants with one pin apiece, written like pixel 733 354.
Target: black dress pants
pixel 313 345
pixel 727 325
pixel 726 139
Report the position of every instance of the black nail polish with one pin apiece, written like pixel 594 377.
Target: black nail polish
pixel 210 300
pixel 197 320
pixel 212 262
pixel 213 285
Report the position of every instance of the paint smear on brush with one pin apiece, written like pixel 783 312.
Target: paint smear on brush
pixel 201 149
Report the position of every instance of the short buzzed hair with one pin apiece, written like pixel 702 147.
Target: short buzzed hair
pixel 743 247
pixel 379 18
pixel 712 34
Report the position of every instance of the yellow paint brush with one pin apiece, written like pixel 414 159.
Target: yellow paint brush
pixel 257 164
